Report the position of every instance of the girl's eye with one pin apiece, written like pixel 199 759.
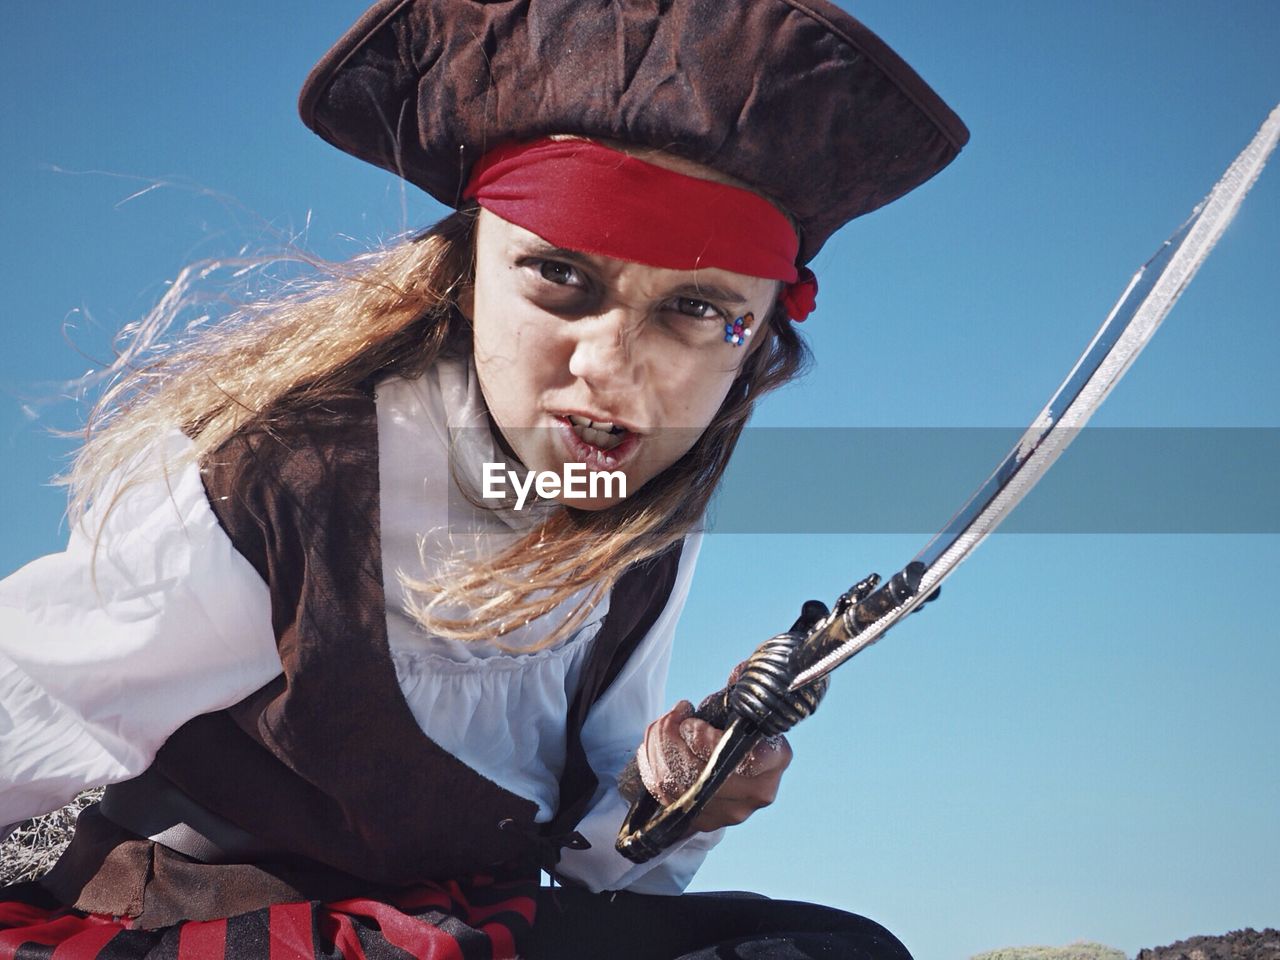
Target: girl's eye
pixel 698 308
pixel 559 272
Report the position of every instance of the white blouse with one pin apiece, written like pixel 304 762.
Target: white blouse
pixel 105 652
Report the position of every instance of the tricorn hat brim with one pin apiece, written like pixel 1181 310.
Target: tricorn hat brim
pixel 795 98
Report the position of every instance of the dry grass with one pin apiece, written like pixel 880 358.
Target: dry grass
pixel 1075 951
pixel 34 845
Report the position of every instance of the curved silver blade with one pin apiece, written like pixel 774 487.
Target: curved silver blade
pixel 1129 327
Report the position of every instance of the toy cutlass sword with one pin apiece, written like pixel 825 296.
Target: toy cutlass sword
pixel 785 678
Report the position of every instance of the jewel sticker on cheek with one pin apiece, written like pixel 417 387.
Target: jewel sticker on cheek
pixel 737 332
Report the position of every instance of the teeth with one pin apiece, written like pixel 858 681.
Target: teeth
pixel 603 425
pixel 598 433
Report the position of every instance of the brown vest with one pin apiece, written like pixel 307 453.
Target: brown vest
pixel 325 770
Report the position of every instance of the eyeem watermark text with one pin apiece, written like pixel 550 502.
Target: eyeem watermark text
pixel 575 483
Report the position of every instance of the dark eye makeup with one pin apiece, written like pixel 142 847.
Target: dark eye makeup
pixel 563 282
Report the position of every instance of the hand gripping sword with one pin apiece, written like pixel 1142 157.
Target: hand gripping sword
pixel 784 680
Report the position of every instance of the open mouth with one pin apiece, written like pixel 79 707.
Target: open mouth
pixel 597 433
pixel 599 444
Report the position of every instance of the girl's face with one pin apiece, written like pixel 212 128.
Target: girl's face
pixel 564 339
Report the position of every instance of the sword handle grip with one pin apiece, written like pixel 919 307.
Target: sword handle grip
pixel 713 710
pixel 755 705
pixel 650 828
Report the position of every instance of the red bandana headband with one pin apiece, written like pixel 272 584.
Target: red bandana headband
pixel 580 195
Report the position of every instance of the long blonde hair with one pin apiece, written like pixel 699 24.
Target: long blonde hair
pixel 394 312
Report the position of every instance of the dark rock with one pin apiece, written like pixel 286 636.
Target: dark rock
pixel 1246 944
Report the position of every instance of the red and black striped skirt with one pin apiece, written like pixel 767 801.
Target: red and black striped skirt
pixel 478 920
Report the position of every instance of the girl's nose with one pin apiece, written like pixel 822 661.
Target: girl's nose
pixel 603 351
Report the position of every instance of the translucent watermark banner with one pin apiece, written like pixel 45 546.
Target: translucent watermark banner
pixel 912 480
pixel 903 480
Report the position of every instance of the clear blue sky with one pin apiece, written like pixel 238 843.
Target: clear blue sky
pixel 1079 739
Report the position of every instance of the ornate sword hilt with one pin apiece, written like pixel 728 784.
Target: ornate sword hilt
pixel 758 703
pixel 755 705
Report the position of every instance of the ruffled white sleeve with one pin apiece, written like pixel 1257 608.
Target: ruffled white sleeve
pixel 611 734
pixel 103 655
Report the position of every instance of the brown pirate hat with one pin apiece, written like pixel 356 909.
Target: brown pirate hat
pixel 795 98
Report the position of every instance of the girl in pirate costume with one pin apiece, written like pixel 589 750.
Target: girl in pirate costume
pixel 348 699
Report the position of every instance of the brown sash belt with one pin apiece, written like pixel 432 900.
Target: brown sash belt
pixel 152 807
